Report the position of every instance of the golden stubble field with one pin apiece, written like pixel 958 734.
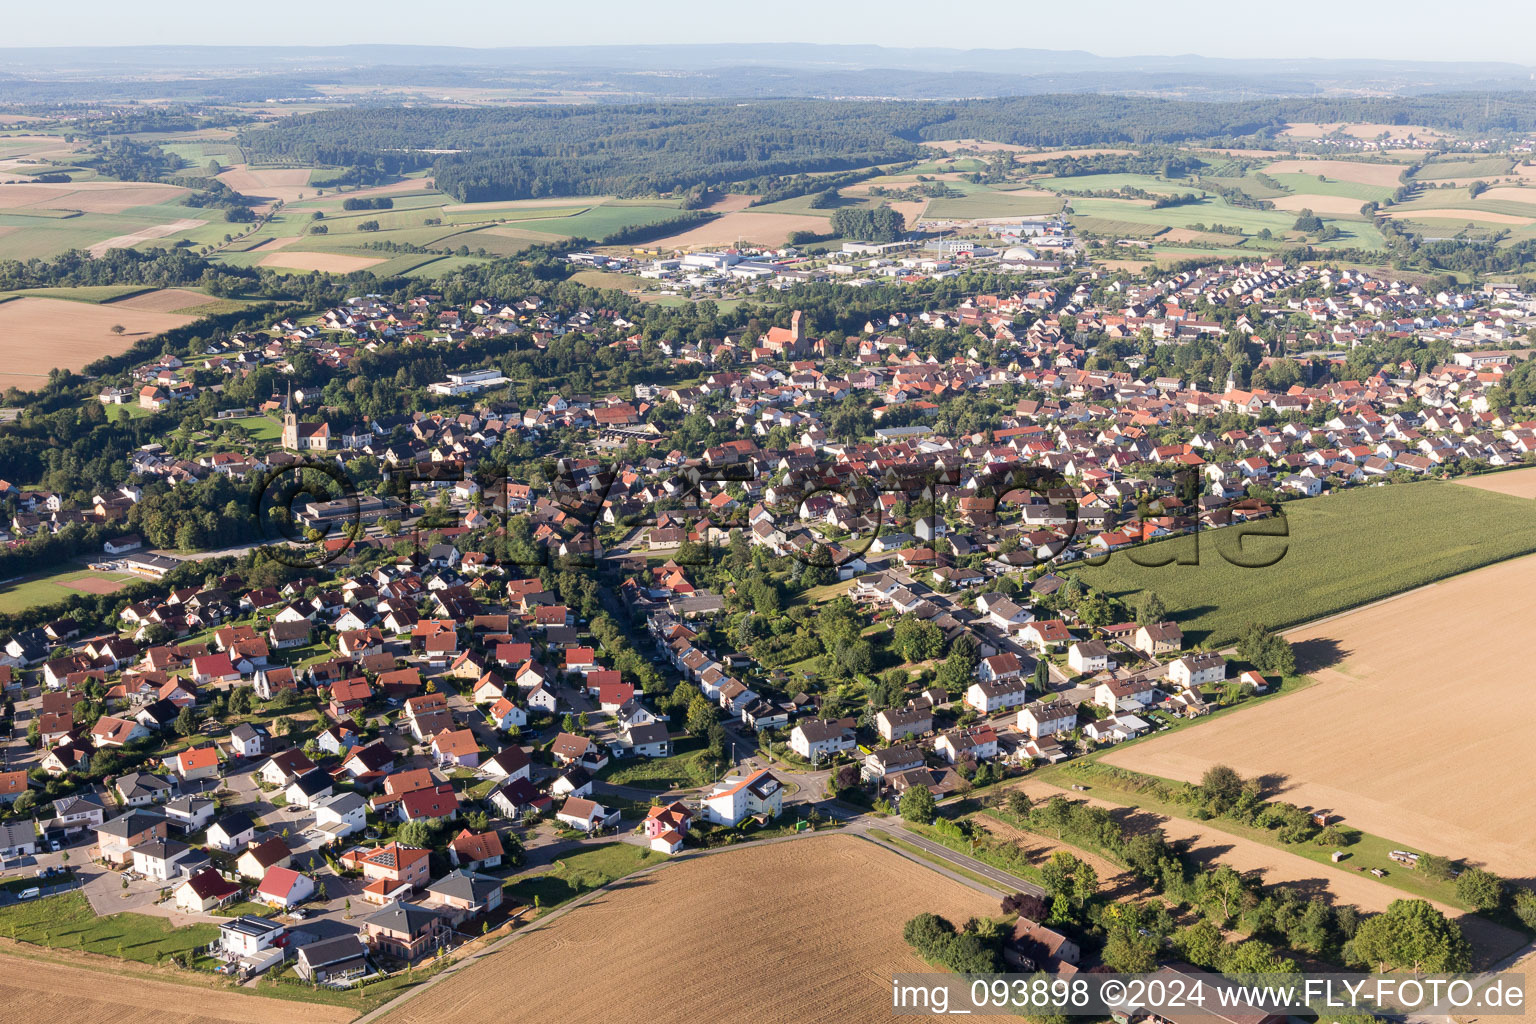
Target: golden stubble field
pixel 1385 175
pixel 36 991
pixel 39 334
pixel 744 226
pixel 803 930
pixel 1420 728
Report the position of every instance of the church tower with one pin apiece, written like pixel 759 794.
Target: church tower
pixel 290 423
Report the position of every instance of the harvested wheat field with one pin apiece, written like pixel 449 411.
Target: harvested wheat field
pixel 85 196
pixel 1323 205
pixel 37 335
pixel 1385 175
pixel 982 146
pixel 144 235
pixel 1207 844
pixel 1519 482
pixel 730 203
pixel 326 262
pixel 1461 216
pixel 63 994
pixel 817 919
pixel 1511 194
pixel 268 183
pixel 1405 736
pixel 911 212
pixel 164 300
pixel 745 226
pixel 1314 130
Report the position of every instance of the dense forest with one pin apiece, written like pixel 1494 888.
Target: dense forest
pixel 527 152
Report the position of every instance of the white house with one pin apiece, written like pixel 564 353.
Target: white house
pixel 1115 694
pixel 736 798
pixel 157 859
pixel 585 815
pixel 284 887
pixel 987 697
pixel 231 832
pixel 978 742
pixel 814 738
pixel 342 815
pixel 1087 656
pixel 999 668
pixel 1042 719
pixel 1197 670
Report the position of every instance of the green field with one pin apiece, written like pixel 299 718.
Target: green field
pixel 1488 167
pixel 986 203
pixel 1308 185
pixel 1206 211
pixel 1098 182
pixel 40 591
pixel 1341 551
pixel 67 922
pixel 1248 184
pixel 93 294
pixel 1109 227
pixel 581 871
pixel 261 428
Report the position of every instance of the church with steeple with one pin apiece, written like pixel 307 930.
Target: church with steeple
pixel 303 437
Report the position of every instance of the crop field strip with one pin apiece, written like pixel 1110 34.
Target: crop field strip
pixel 1343 550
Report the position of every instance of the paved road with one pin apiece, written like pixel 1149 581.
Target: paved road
pixel 1010 883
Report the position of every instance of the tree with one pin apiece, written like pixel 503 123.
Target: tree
pixel 918 805
pixel 421 832
pixel 118 329
pixel 1019 803
pixel 1436 867
pixel 1071 882
pixel 1220 787
pixel 1201 944
pixel 186 722
pixel 1525 907
pixel 701 715
pixel 1412 935
pixel 1150 609
pixel 1222 893
pixel 1484 890
pixel 1268 651
pixel 1308 222
pixel 1256 957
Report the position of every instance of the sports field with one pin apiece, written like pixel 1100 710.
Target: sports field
pixel 54 588
pixel 1343 550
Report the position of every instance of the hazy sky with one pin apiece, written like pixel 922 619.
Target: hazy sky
pixel 1414 29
